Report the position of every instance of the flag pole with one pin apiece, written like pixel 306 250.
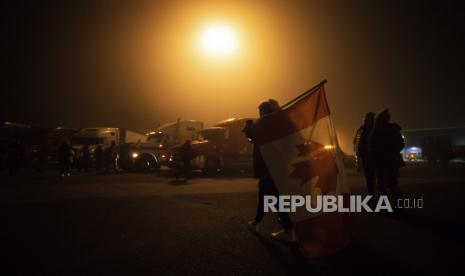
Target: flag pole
pixel 310 91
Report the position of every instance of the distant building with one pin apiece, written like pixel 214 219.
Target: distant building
pixel 434 144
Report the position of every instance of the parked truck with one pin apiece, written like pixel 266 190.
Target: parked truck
pixel 175 133
pixel 39 144
pixel 106 135
pixel 125 140
pixel 223 146
pixel 155 152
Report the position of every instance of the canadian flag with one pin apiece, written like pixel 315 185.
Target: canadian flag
pixel 300 148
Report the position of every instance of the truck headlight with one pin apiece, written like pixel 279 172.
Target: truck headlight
pixel 135 155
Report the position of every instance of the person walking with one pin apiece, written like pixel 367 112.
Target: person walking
pixel 111 158
pixel 266 185
pixel 65 156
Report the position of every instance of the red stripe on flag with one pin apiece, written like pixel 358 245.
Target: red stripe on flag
pixel 300 115
pixel 325 234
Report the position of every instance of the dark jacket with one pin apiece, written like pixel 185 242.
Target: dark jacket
pixel 98 153
pixel 186 153
pixel 259 166
pixel 65 153
pixel 386 144
pixel 362 141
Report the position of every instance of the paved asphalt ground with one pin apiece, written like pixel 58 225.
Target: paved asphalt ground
pixel 149 224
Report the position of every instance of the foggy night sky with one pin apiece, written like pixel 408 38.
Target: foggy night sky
pixel 133 64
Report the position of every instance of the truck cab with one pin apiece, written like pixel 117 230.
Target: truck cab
pixel 161 142
pixel 223 146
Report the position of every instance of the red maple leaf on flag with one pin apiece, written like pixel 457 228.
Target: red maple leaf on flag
pixel 320 163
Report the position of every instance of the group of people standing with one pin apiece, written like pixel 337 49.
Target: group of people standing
pixel 82 160
pixel 377 146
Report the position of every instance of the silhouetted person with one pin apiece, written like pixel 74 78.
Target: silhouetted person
pixel 111 157
pixel 98 157
pixel 266 185
pixel 65 157
pixel 186 154
pixel 14 157
pixel 361 148
pixel 78 159
pixel 386 144
pixel 85 162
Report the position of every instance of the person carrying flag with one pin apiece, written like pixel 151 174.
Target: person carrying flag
pixel 297 144
pixel 266 185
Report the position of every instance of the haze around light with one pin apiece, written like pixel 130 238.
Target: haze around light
pixel 218 40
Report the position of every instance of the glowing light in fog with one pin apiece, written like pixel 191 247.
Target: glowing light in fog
pixel 218 40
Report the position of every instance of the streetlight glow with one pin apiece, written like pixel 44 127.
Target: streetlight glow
pixel 218 40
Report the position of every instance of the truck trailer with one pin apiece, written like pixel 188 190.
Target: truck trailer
pixel 125 141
